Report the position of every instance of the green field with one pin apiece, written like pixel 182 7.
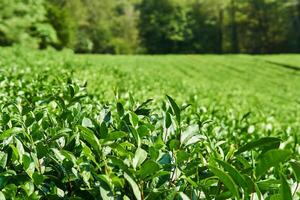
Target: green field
pixel 241 81
pixel 263 84
pixel 84 118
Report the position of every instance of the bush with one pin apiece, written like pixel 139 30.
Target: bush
pixel 58 142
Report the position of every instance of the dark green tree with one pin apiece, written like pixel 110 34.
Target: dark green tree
pixel 125 32
pixel 25 23
pixel 163 25
pixel 234 27
pixel 205 26
pixel 62 17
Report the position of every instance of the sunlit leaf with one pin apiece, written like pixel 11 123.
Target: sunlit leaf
pixel 271 159
pixel 134 187
pixel 227 180
pixel 139 157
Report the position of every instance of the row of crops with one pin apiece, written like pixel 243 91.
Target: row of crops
pixel 102 127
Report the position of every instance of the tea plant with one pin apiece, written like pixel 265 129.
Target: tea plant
pixel 57 141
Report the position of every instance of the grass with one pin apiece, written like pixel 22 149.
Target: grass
pixel 228 127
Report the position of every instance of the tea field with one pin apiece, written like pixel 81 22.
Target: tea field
pixel 148 127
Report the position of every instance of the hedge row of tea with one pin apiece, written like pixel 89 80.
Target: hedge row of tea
pixel 58 141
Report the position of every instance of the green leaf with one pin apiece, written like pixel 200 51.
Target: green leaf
pixel 266 141
pixel 271 159
pixel 145 103
pixel 72 91
pixel 10 132
pixel 106 179
pixel 296 169
pixel 165 159
pixel 68 155
pixel 89 136
pixel 35 160
pixel 86 151
pixel 103 130
pixel 5 118
pixel 134 186
pixel 243 161
pixel 183 196
pixel 121 151
pixel 159 143
pixel 3 159
pixel 143 131
pixel 105 194
pixel 38 179
pixel 148 168
pixel 86 176
pixel 15 153
pixel 154 153
pixel 182 156
pixel 250 184
pixel 126 197
pixel 118 162
pixel 167 120
pixel 116 135
pixel 175 108
pixel 86 122
pixel 10 191
pixel 28 165
pixel 191 135
pixel 234 173
pixel 285 190
pixel 227 180
pixel 142 111
pixel 134 119
pixel 136 136
pixel 61 133
pixel 267 185
pixel 139 157
pixel 20 148
pixel 58 154
pixel 174 144
pixel 2 197
pixel 118 182
pixel 120 109
pixel 29 120
pixel 28 187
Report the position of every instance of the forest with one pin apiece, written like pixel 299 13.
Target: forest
pixel 153 26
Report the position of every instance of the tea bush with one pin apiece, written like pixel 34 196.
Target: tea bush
pixel 57 141
pixel 61 140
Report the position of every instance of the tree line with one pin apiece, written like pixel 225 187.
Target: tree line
pixel 153 26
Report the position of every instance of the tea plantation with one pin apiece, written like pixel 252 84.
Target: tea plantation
pixel 149 127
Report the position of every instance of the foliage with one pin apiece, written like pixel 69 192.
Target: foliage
pixel 163 23
pixel 61 17
pixel 24 22
pixel 58 141
pixel 153 26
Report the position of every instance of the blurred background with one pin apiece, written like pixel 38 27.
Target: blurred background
pixel 153 26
